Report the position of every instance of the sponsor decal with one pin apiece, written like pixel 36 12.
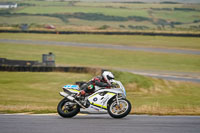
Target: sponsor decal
pixel 95 99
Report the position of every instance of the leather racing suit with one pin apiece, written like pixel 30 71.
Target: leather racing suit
pixel 89 87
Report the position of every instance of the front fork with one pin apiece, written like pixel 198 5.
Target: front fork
pixel 117 99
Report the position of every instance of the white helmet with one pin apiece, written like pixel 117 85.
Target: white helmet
pixel 108 76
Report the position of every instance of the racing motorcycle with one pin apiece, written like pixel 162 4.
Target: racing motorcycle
pixel 113 100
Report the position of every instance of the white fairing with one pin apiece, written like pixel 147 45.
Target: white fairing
pixel 100 98
pixel 122 89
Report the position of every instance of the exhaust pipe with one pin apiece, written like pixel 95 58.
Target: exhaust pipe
pixel 71 98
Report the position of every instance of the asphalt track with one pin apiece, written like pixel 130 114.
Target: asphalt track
pixel 191 77
pixel 107 46
pixel 94 123
pixel 167 75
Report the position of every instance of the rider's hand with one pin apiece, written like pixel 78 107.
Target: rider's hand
pixel 82 92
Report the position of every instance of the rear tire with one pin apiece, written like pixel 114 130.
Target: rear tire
pixel 120 111
pixel 67 112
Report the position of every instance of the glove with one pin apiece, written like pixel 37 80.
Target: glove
pixel 82 92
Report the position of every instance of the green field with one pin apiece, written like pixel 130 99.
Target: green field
pixel 96 57
pixel 31 20
pixel 38 93
pixel 179 16
pixel 124 16
pixel 105 11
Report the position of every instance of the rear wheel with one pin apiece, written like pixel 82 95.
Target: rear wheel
pixel 67 108
pixel 121 110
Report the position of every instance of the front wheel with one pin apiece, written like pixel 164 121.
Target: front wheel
pixel 121 110
pixel 67 108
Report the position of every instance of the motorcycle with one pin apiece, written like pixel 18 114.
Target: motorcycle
pixel 113 100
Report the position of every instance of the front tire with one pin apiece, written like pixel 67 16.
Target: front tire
pixel 67 111
pixel 121 110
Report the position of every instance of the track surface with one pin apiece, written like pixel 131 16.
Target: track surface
pixel 98 124
pixel 107 46
pixel 168 75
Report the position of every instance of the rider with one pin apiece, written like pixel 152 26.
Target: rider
pixel 102 81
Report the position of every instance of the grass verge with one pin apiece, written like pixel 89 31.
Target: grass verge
pixel 33 92
pixel 38 93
